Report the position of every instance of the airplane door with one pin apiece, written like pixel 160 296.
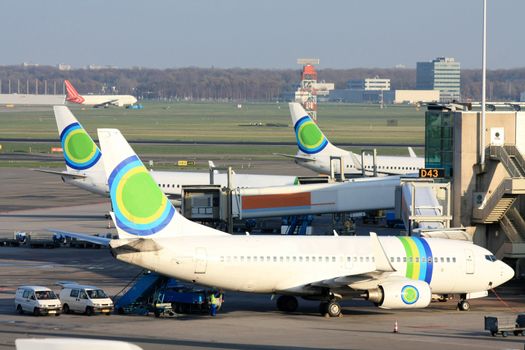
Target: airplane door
pixel 200 260
pixel 469 257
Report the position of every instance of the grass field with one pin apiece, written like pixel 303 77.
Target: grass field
pixel 220 122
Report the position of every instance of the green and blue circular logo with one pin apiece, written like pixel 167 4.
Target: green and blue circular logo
pixel 409 294
pixel 80 152
pixel 309 137
pixel 139 205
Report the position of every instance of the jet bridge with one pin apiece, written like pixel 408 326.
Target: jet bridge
pixel 424 205
pixel 350 196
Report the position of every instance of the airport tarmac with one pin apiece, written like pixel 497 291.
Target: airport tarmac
pixel 247 321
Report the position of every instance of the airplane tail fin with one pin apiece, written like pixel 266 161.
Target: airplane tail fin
pixel 412 153
pixel 140 208
pixel 310 138
pixel 80 151
pixel 72 93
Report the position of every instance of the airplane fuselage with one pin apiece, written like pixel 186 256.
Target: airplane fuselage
pixel 385 164
pixel 277 264
pixel 171 182
pixel 117 100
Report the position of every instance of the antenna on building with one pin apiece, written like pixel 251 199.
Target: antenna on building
pixel 306 94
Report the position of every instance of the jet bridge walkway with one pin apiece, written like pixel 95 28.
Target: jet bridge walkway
pixel 425 206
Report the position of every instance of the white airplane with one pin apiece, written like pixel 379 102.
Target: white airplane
pixel 392 272
pixel 315 151
pixel 97 100
pixel 84 165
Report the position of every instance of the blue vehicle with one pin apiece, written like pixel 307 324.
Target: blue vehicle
pixel 180 299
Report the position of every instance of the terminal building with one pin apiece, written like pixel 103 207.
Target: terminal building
pixel 488 199
pixel 443 74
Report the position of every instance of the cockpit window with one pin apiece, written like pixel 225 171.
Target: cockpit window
pixel 490 257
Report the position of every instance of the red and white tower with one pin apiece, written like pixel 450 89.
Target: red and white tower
pixel 306 94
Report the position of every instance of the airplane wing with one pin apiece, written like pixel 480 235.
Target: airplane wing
pixel 83 237
pixel 61 173
pixel 106 103
pixel 296 157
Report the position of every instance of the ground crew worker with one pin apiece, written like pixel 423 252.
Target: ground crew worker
pixel 213 303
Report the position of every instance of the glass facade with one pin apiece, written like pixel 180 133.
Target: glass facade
pixel 439 140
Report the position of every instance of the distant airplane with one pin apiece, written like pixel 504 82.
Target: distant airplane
pixel 315 151
pixel 84 166
pixel 97 100
pixel 392 272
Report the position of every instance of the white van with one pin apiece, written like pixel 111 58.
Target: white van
pixel 85 299
pixel 37 300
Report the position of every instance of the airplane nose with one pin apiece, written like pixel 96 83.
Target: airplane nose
pixel 507 272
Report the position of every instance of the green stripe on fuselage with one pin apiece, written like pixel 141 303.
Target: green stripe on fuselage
pixel 409 256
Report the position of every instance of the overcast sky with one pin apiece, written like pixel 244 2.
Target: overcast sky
pixel 259 34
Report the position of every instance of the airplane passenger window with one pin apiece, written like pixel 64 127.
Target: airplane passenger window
pixel 307 259
pixel 442 259
pixel 333 258
pixel 391 259
pixel 448 260
pixel 436 260
pixel 398 259
pixel 348 259
pixel 248 259
pixel 327 259
pixel 281 259
pixel 417 259
pixel 313 258
pixel 222 258
pixel 294 259
pixel 287 259
pixel 361 259
pixel 242 258
pixel 453 259
pixel 268 258
pixel 300 259
pixel 367 259
pixel 254 259
pixel 404 259
pixel 274 259
pixel 429 260
pixel 355 258
pixel 409 259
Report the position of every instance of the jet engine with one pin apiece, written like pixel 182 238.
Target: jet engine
pixel 401 294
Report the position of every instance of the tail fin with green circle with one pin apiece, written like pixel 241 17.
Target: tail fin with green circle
pixel 140 208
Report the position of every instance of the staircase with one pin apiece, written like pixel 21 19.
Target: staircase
pixel 511 159
pixel 499 207
pixel 499 202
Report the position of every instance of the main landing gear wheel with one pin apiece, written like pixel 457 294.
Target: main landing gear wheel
pixel 463 305
pixel 330 309
pixel 287 303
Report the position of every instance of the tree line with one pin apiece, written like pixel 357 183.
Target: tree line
pixel 234 84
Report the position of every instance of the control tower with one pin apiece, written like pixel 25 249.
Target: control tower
pixel 306 94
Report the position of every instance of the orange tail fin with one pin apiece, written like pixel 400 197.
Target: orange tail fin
pixel 72 94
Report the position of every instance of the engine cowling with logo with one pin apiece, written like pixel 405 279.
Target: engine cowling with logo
pixel 404 294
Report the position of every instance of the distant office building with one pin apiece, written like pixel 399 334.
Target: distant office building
pixel 522 97
pixel 64 67
pixel 369 84
pixel 443 74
